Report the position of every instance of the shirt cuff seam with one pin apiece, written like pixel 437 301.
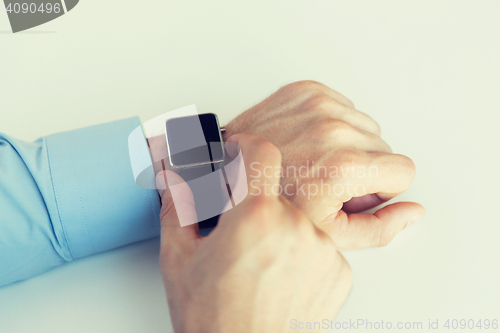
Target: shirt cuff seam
pixel 66 239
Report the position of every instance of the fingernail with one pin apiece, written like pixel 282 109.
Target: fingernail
pixel 414 219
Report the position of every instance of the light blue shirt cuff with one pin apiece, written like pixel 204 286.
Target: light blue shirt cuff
pixel 99 205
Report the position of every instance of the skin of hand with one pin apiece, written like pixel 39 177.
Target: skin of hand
pixel 263 265
pixel 325 140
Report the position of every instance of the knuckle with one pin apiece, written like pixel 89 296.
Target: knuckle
pixel 300 223
pixel 270 149
pixel 266 147
pixel 254 144
pixel 306 232
pixel 260 210
pixel 350 103
pixel 301 87
pixel 371 123
pixel 376 128
pixel 321 102
pixel 331 128
pixel 409 165
pixel 259 205
pixel 305 84
pixel 346 158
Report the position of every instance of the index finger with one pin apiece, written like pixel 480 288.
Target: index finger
pixel 262 161
pixel 178 214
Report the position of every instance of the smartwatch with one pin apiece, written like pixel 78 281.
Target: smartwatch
pixel 196 152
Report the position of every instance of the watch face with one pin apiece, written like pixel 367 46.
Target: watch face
pixel 194 140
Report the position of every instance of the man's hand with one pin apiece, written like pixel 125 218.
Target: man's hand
pixel 335 165
pixel 264 264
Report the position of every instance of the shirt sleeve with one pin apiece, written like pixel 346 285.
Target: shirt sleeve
pixel 70 195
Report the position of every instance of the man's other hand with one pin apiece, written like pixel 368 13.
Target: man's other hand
pixel 264 265
pixel 335 164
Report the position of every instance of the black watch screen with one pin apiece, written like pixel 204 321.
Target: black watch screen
pixel 194 140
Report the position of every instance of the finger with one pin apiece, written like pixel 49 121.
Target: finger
pixel 387 175
pixel 366 180
pixel 358 231
pixel 357 119
pixel 359 204
pixel 159 153
pixel 392 175
pixel 339 111
pixel 157 147
pixel 348 112
pixel 178 214
pixel 329 103
pixel 335 95
pixel 262 161
pixel 370 142
pixel 347 136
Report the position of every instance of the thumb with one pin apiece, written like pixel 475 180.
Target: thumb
pixel 178 214
pixel 361 230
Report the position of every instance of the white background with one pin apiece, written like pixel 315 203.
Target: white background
pixel 427 71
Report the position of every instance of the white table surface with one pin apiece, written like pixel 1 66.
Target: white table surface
pixel 427 71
